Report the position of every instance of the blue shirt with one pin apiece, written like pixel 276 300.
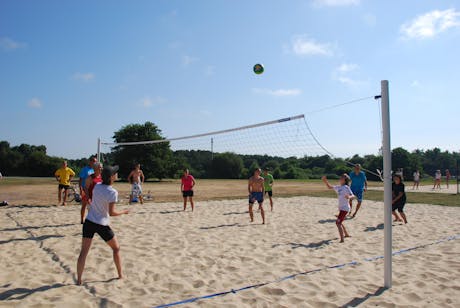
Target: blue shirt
pixel 84 174
pixel 358 180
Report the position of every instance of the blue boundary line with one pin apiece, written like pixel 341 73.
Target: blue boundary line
pixel 234 291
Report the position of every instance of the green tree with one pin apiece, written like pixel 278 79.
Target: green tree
pixel 226 166
pixel 155 159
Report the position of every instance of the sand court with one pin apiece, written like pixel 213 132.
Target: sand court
pixel 170 256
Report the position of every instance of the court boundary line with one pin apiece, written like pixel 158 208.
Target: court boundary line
pixel 292 276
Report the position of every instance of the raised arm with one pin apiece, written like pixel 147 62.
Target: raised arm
pixel 112 211
pixel 324 178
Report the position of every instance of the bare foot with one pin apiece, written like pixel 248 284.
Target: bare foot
pixel 347 235
pixel 342 241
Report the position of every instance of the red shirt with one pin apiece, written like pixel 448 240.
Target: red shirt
pixel 95 180
pixel 187 182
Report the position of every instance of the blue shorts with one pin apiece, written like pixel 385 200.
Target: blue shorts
pixel 358 193
pixel 256 196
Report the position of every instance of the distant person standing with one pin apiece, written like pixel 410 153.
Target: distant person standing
pixel 256 194
pixel 399 198
pixel 437 179
pixel 64 175
pixel 358 187
pixel 416 176
pixel 98 220
pixel 268 186
pixel 85 172
pixel 448 176
pixel 186 187
pixel 136 178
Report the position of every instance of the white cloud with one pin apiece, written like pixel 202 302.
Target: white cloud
pixel 210 70
pixel 83 76
pixel 415 84
pixel 148 102
pixel 431 24
pixel 187 60
pixel 278 92
pixel 34 103
pixel 345 74
pixel 304 46
pixel 347 67
pixel 8 44
pixel 335 2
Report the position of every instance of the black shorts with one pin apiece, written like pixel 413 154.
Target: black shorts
pixel 398 206
pixel 89 228
pixel 62 186
pixel 187 193
pixel 269 192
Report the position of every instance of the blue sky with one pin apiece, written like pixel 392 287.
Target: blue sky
pixel 72 71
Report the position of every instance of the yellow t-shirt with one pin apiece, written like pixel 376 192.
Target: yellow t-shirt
pixel 64 175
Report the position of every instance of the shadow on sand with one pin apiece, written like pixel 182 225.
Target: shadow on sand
pixel 25 228
pixel 236 213
pixel 317 245
pixel 32 238
pixel 220 226
pixel 371 229
pixel 171 212
pixel 21 293
pixel 359 300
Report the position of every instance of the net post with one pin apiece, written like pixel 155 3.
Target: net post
pixel 387 197
pixel 98 149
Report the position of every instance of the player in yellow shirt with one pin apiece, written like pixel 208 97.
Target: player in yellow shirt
pixel 63 175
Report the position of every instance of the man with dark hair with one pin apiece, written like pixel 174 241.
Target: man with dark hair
pixel 64 176
pixel 358 187
pixel 256 193
pixel 136 178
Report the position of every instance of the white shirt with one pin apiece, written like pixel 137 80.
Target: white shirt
pixel 438 175
pixel 343 191
pixel 103 195
pixel 416 176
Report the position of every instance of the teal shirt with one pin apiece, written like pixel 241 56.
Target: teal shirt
pixel 268 180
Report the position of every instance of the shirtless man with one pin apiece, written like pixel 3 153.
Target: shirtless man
pixel 256 193
pixel 136 178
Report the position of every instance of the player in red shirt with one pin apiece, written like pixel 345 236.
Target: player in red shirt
pixel 187 184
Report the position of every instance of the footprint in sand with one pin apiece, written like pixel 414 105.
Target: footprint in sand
pixel 198 284
pixel 274 291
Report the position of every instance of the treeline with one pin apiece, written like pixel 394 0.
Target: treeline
pixel 233 166
pixel 159 161
pixel 30 160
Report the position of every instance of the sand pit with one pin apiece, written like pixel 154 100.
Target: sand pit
pixel 170 256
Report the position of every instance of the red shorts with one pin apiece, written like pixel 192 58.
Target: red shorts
pixel 341 217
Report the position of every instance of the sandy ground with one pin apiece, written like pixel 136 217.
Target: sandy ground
pixel 169 255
